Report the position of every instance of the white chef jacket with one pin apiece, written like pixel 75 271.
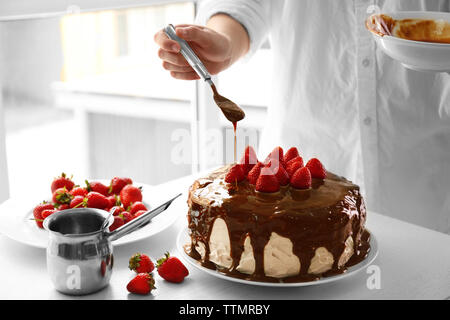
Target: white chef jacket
pixel 338 97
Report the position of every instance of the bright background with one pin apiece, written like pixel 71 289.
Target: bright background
pixel 85 93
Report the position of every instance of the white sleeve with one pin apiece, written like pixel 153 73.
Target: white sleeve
pixel 251 14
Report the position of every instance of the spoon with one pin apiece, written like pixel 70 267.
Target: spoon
pixel 230 109
pixel 105 222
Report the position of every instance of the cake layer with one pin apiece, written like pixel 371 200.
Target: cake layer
pixel 291 235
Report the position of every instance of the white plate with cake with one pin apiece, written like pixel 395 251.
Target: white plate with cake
pixel 280 222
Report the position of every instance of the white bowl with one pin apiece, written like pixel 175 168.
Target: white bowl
pixel 417 55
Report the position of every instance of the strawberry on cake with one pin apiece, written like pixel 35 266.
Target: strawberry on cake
pixel 279 220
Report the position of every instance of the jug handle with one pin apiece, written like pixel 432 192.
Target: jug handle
pixel 139 221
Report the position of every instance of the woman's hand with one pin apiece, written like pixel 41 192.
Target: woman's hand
pixel 213 48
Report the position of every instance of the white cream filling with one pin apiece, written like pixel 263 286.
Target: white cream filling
pixel 201 249
pixel 348 252
pixel 321 262
pixel 279 259
pixel 219 244
pixel 247 263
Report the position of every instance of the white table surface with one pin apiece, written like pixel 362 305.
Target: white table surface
pixel 414 263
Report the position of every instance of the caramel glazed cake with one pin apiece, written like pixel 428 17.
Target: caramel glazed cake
pixel 291 235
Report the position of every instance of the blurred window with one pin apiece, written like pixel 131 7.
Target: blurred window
pixel 85 93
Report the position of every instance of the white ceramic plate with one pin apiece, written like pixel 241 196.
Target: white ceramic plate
pixel 183 239
pixel 417 55
pixel 16 215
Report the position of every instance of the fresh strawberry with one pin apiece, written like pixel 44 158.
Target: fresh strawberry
pixel 61 182
pixel 171 269
pixel 301 179
pixel 291 154
pixel 235 174
pixel 281 174
pixel 249 159
pixel 63 207
pixel 61 196
pixel 254 173
pixel 97 187
pixel 117 210
pixel 79 191
pixel 96 200
pixel 293 165
pixel 47 212
pixel 141 263
pixel 277 155
pixel 137 206
pixel 118 222
pixel 143 283
pixel 126 216
pixel 267 182
pixel 113 200
pixel 316 168
pixel 37 212
pixel 77 202
pixel 140 212
pixel 117 184
pixel 130 194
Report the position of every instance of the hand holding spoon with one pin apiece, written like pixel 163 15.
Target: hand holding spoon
pixel 230 109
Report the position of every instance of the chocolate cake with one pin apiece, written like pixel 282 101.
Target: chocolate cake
pixel 291 235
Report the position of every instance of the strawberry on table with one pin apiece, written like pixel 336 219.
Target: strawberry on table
pixel 301 179
pixel 143 283
pixel 61 182
pixel 37 212
pixel 130 194
pixel 171 269
pixel 97 187
pixel 141 263
pixel 61 196
pixel 137 206
pixel 117 184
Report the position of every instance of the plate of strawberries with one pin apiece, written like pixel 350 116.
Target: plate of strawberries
pixel 128 200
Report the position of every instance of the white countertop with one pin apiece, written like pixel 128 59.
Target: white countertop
pixel 414 263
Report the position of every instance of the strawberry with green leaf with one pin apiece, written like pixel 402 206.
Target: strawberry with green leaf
pixel 171 268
